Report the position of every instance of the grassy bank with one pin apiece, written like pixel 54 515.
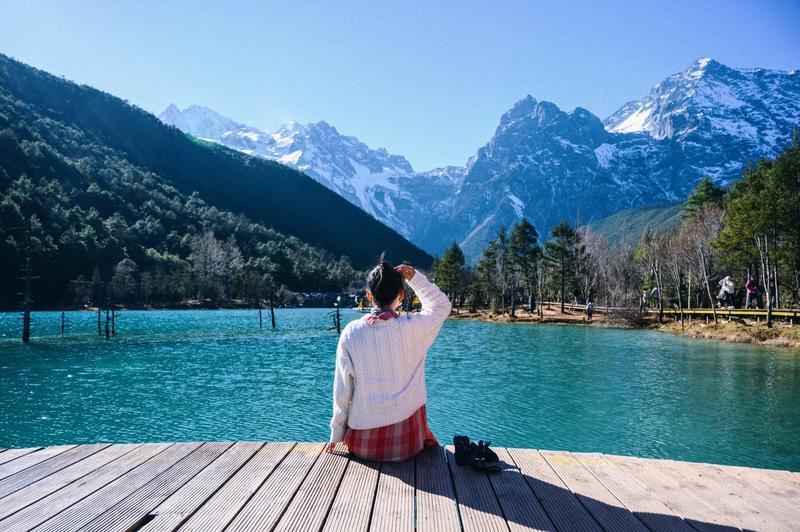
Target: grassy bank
pixel 740 331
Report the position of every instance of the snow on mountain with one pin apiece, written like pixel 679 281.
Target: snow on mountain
pixel 374 180
pixel 718 114
pixel 544 163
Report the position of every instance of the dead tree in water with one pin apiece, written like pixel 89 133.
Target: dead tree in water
pixel 98 297
pixel 108 318
pixel 27 300
pixel 63 320
pixel 338 318
pixel 272 311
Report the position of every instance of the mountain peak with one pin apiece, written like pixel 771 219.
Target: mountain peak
pixel 703 67
pixel 522 108
pixel 530 112
pixel 703 62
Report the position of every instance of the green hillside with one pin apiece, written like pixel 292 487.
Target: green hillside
pixel 104 181
pixel 628 226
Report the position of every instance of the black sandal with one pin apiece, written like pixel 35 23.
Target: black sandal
pixel 463 451
pixel 484 459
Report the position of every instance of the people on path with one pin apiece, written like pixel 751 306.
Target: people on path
pixel 589 309
pixel 750 286
pixel 727 289
pixel 655 295
pixel 379 393
pixel 643 302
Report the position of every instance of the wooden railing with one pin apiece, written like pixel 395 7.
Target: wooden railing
pixel 791 315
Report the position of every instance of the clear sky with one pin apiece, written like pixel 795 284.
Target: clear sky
pixel 428 80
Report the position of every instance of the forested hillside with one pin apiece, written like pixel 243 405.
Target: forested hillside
pixel 629 225
pixel 111 194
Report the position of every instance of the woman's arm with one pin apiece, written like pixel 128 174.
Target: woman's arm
pixel 435 305
pixel 343 384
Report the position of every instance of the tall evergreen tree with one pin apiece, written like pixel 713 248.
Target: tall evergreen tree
pixel 524 252
pixel 502 266
pixel 704 193
pixel 486 274
pixel 561 254
pixel 764 206
pixel 449 271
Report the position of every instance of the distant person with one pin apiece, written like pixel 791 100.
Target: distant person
pixel 655 295
pixel 589 309
pixel 750 286
pixel 721 298
pixel 643 302
pixel 759 295
pixel 727 289
pixel 379 383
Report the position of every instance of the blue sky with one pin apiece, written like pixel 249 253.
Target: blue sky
pixel 428 80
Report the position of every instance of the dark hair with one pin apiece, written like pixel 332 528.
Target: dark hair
pixel 384 282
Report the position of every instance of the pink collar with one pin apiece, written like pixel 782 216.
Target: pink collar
pixel 378 314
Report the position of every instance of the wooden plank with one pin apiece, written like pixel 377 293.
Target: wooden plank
pixel 606 509
pixel 562 507
pixel 758 485
pixel 170 514
pixel 642 502
pixel 88 508
pixel 30 460
pixel 436 501
pixel 313 500
pixel 264 509
pixel 352 506
pixel 129 513
pixel 782 484
pixel 477 504
pixel 748 506
pixel 44 487
pixel 699 513
pixel 57 502
pixel 393 508
pixel 12 454
pixel 521 508
pixel 223 506
pixel 43 469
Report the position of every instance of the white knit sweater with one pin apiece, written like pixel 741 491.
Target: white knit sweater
pixel 380 368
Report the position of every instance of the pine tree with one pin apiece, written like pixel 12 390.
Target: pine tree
pixel 524 253
pixel 449 271
pixel 704 193
pixel 486 274
pixel 561 254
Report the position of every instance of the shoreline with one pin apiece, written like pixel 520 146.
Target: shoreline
pixel 736 332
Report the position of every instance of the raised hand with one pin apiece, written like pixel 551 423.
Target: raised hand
pixel 406 271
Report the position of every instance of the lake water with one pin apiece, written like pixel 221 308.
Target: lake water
pixel 213 375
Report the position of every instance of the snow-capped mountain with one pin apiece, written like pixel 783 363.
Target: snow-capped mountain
pixel 373 179
pixel 717 114
pixel 549 165
pixel 543 163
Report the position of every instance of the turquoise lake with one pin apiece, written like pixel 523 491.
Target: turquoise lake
pixel 214 375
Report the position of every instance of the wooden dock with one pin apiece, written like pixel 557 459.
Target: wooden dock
pixel 296 487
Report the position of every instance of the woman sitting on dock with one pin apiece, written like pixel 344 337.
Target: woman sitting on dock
pixel 379 384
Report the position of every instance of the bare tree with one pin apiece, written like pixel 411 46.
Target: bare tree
pixel 701 232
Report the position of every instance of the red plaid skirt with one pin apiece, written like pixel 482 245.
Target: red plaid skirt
pixel 392 443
